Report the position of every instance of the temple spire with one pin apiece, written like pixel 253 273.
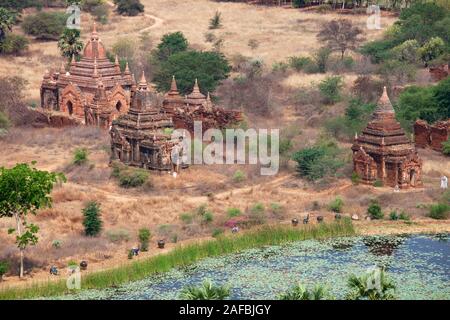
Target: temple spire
pixel 127 69
pixel 143 82
pixel 62 69
pixel 173 85
pixel 384 103
pixel 196 87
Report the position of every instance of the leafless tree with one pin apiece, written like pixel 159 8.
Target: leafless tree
pixel 340 35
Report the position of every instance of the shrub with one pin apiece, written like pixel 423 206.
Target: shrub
pixel 216 21
pixel 280 67
pixel 14 44
pixel 56 244
pixel 330 89
pixel 239 176
pixel 217 232
pixel 318 161
pixel 299 63
pixel 356 179
pixel 45 25
pixel 378 183
pixel 234 212
pixel 3 269
pixel 186 217
pixel 257 214
pixel 80 157
pixel 374 210
pixel 201 210
pixel 393 215
pixel 129 177
pixel 276 208
pixel 404 216
pixel 445 146
pixel 118 235
pixel 4 121
pixel 144 237
pixel 90 5
pixel 208 217
pixel 439 211
pixel 129 7
pixel 336 205
pixel 92 222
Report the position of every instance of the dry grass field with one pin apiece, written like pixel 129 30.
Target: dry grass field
pixel 280 33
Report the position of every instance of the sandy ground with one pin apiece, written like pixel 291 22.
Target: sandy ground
pixel 280 33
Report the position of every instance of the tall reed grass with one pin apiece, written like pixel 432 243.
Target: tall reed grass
pixel 186 255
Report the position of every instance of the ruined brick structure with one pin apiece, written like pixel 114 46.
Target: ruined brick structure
pixel 426 135
pixel 197 107
pixel 93 89
pixel 383 152
pixel 439 73
pixel 142 137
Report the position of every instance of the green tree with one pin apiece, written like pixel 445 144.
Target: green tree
pixel 23 191
pixel 374 285
pixel 45 25
pixel 432 49
pixel 129 7
pixel 70 44
pixel 330 89
pixel 408 51
pixel 206 291
pixel 340 35
pixel 321 59
pixel 210 68
pixel 300 292
pixel 170 44
pixel 7 19
pixel 92 220
pixel 417 103
pixel 441 94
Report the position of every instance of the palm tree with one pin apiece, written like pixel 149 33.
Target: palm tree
pixel 206 291
pixel 300 292
pixel 7 19
pixel 70 44
pixel 374 285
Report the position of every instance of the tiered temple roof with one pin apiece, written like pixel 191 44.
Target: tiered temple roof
pixel 383 134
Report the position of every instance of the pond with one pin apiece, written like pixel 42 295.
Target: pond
pixel 419 265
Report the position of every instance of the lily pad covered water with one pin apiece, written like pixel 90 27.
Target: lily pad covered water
pixel 419 266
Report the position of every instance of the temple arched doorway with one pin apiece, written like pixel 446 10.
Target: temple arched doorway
pixel 412 177
pixel 70 107
pixel 118 106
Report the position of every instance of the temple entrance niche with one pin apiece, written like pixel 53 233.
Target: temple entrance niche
pixel 118 106
pixel 412 177
pixel 69 107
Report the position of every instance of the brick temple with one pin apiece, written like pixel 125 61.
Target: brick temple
pixel 431 135
pixel 140 137
pixel 382 152
pixel 96 91
pixel 93 89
